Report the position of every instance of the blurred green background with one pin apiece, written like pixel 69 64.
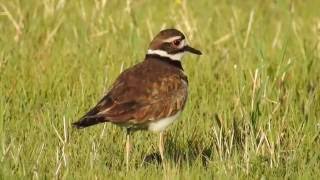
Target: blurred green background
pixel 254 103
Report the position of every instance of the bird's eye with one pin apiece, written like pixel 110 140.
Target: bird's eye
pixel 176 42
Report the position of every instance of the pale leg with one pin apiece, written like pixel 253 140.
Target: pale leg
pixel 128 148
pixel 161 148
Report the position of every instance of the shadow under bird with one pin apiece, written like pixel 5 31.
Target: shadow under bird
pixel 151 94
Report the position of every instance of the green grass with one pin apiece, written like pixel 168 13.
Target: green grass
pixel 254 102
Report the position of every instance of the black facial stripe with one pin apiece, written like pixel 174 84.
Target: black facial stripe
pixel 166 47
pixel 176 51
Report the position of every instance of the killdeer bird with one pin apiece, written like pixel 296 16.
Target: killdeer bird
pixel 151 94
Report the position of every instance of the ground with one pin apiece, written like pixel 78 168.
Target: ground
pixel 254 103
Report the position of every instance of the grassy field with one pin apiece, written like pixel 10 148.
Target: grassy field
pixel 254 102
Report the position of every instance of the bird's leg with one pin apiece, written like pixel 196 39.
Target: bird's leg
pixel 128 147
pixel 161 148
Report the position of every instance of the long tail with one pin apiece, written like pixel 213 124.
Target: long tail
pixel 87 121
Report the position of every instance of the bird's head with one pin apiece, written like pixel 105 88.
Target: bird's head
pixel 172 44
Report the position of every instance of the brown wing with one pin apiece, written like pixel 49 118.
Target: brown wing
pixel 146 92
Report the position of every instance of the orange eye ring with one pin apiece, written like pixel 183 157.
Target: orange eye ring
pixel 176 42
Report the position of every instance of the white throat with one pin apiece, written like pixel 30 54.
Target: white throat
pixel 162 53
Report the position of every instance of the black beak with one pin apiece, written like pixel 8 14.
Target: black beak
pixel 192 50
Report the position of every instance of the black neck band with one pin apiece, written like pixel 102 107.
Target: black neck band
pixel 167 60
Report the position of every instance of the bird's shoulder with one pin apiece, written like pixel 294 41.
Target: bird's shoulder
pixel 147 79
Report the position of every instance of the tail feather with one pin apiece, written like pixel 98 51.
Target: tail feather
pixel 88 121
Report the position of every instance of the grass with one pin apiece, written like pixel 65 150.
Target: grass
pixel 254 103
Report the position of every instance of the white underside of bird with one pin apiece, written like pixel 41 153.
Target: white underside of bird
pixel 162 124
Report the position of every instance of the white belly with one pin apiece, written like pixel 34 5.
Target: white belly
pixel 162 124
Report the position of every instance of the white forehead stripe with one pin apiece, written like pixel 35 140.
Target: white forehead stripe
pixel 162 53
pixel 172 39
pixel 183 43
